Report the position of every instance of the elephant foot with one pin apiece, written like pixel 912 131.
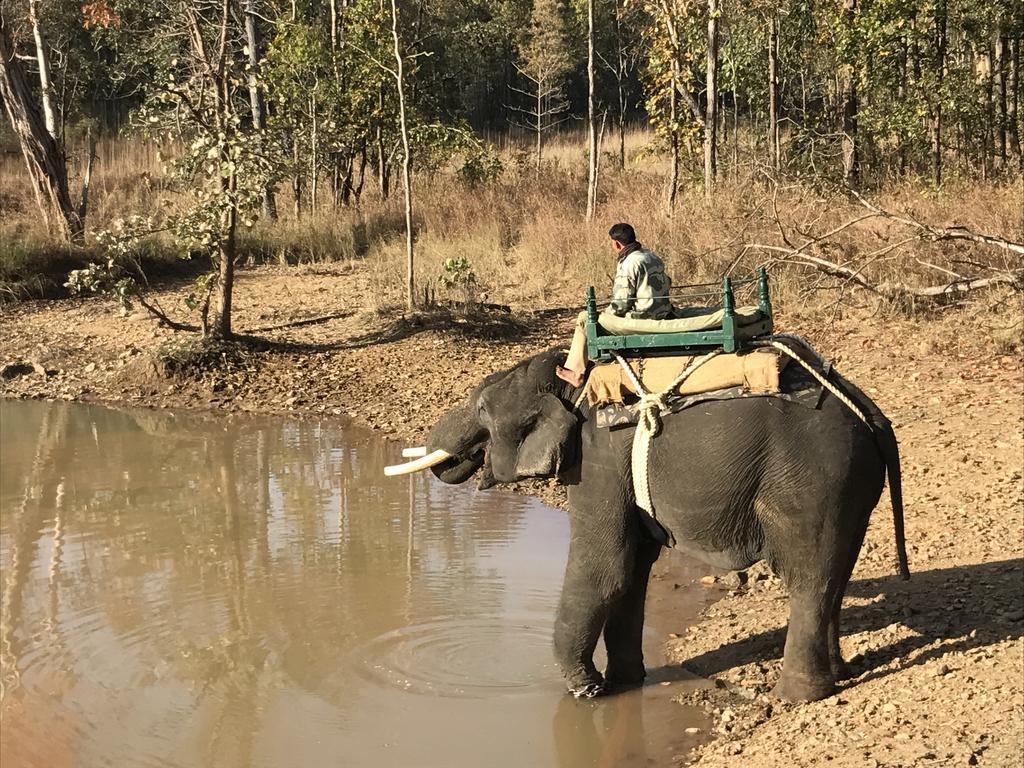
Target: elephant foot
pixel 626 675
pixel 793 687
pixel 841 670
pixel 589 690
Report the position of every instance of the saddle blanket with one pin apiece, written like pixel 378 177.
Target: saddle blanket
pixel 755 371
pixel 794 385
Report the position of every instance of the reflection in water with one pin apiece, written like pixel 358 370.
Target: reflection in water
pixel 184 590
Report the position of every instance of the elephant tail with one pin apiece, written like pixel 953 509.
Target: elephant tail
pixel 890 450
pixel 885 438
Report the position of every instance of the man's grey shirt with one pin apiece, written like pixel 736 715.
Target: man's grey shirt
pixel 641 287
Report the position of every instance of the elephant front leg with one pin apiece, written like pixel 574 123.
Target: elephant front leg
pixel 596 577
pixel 624 629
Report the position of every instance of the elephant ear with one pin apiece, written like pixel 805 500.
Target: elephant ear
pixel 549 446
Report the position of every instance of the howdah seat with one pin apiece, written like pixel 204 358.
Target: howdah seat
pixel 690 331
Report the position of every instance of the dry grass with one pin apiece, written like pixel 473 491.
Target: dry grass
pixel 526 239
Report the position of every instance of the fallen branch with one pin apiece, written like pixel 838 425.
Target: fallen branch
pixel 298 323
pixel 894 290
pixel 960 284
pixel 928 232
pixel 964 285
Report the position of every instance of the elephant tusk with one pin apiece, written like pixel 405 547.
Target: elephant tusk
pixel 416 465
pixel 414 453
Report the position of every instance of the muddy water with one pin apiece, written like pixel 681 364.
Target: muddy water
pixel 181 590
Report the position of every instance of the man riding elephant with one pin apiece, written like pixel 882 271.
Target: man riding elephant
pixel 640 290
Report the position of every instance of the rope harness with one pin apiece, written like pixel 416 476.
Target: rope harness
pixel 653 405
pixel 649 411
pixel 787 350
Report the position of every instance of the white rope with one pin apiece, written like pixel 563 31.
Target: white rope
pixel 649 411
pixel 774 343
pixel 653 405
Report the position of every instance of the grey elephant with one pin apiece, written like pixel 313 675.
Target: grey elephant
pixel 733 482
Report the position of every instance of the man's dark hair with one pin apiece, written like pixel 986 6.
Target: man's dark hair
pixel 622 233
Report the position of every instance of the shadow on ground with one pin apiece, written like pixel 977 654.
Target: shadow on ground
pixel 959 608
pixel 479 324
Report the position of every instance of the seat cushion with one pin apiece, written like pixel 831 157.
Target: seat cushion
pixel 684 320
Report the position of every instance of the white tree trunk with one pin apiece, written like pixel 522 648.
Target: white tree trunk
pixel 774 144
pixel 42 59
pixel 43 156
pixel 592 147
pixel 410 296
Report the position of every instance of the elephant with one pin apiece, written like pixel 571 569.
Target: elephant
pixel 732 482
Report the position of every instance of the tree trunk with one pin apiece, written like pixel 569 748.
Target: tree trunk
pixel 673 108
pixel 314 167
pixel 988 143
pixel 226 272
pixel 539 125
pixel 711 119
pixel 592 148
pixel 296 177
pixel 256 100
pixel 620 78
pixel 42 60
pixel 406 182
pixel 1000 75
pixel 1013 102
pixel 940 73
pixel 774 150
pixel 90 159
pixel 334 26
pixel 45 160
pixel 851 160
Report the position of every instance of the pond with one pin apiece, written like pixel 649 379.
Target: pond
pixel 183 589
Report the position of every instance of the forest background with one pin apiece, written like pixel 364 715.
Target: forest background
pixel 474 152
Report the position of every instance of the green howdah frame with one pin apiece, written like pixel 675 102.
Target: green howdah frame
pixel 729 338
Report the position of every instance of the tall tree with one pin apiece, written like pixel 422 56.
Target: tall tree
pixel 257 102
pixel 592 148
pixel 848 95
pixel 711 117
pixel 44 157
pixel 545 63
pixel 939 68
pixel 774 143
pixel 403 125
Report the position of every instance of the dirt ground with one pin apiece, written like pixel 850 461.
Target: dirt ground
pixel 939 660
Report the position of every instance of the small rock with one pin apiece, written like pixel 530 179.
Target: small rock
pixel 708 580
pixel 735 579
pixel 90 367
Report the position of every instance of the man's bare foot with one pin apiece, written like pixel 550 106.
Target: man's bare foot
pixel 571 377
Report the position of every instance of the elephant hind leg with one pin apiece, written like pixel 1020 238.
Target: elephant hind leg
pixel 840 669
pixel 806 666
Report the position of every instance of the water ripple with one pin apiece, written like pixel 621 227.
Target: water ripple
pixel 462 657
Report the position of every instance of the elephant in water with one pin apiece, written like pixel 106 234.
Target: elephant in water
pixel 732 482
